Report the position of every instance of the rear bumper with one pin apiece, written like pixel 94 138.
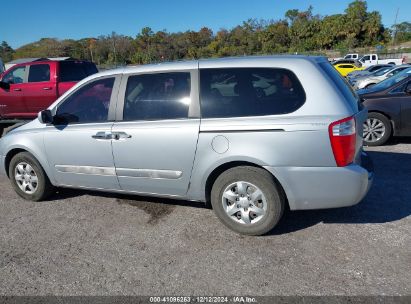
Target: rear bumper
pixel 325 187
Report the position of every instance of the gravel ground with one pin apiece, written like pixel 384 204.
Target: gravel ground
pixel 87 243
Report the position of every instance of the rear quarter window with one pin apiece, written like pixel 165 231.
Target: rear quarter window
pixel 239 92
pixel 76 70
pixel 342 85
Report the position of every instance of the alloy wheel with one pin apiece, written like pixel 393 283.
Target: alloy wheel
pixel 374 130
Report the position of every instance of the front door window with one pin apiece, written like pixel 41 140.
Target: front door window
pixel 89 104
pixel 15 76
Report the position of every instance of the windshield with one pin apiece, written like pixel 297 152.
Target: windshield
pixel 389 82
pixel 382 71
pixel 363 58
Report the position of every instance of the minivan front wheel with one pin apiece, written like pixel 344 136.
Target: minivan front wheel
pixel 28 178
pixel 247 200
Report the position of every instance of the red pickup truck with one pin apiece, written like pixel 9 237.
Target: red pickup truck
pixel 28 88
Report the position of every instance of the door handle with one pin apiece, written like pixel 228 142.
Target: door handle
pixel 103 136
pixel 120 135
pixel 17 89
pixel 47 89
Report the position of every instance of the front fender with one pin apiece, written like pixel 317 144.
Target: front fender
pixel 32 142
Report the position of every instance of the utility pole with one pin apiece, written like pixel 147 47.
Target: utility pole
pixel 113 37
pixel 395 28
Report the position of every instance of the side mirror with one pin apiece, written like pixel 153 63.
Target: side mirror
pixel 45 117
pixel 4 85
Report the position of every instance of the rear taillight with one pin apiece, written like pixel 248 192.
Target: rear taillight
pixel 343 136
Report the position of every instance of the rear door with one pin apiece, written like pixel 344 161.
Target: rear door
pixel 156 138
pixel 41 90
pixel 12 100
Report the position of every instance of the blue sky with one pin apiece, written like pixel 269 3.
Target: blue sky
pixel 25 21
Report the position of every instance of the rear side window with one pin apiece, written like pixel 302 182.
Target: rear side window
pixel 399 70
pixel 39 73
pixel 375 68
pixel 239 92
pixel 157 96
pixel 76 70
pixel 341 84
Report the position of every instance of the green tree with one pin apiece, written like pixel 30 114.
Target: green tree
pixel 356 14
pixel 303 30
pixel 275 38
pixel 402 32
pixel 6 52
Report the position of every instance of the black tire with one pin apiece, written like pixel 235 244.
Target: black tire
pixel 388 130
pixel 44 188
pixel 268 186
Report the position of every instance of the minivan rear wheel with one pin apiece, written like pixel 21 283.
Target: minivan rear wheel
pixel 247 200
pixel 28 178
pixel 377 129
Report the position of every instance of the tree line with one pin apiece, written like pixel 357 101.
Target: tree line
pixel 299 31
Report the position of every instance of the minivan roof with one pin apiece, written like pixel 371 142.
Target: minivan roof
pixel 221 62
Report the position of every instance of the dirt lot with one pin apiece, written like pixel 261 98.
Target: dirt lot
pixel 86 243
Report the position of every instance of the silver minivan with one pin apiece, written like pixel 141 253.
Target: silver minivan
pixel 251 135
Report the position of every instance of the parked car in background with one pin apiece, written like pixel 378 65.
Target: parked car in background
pixel 345 68
pixel 367 70
pixel 233 130
pixel 372 59
pixel 27 88
pixel 376 77
pixel 12 63
pixel 389 109
pixel 348 61
pixel 354 56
